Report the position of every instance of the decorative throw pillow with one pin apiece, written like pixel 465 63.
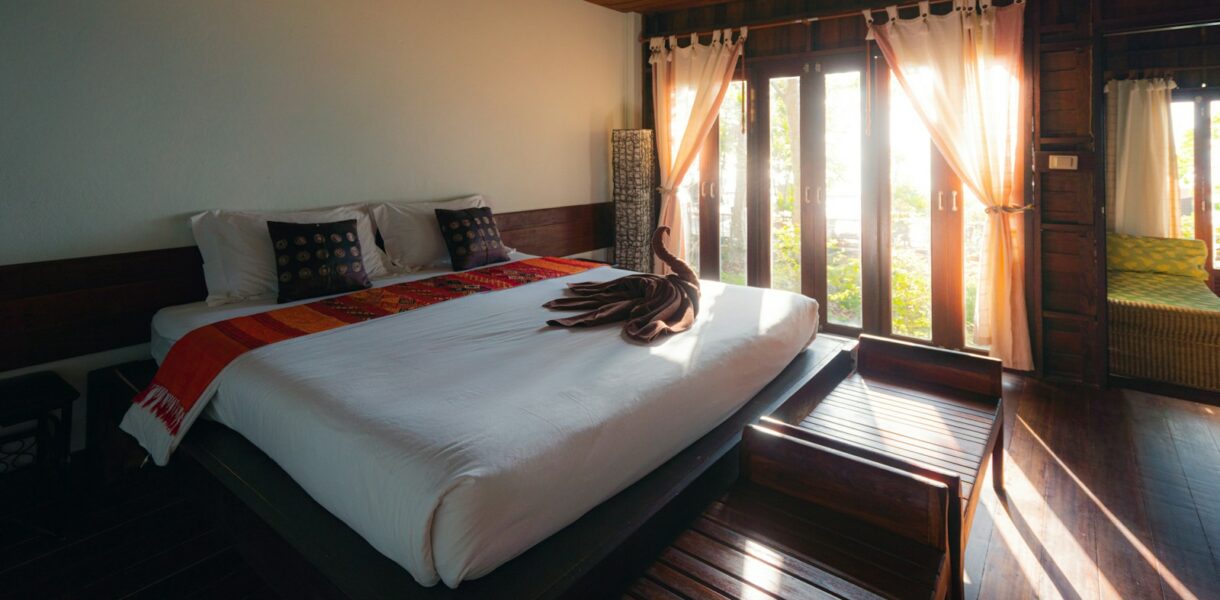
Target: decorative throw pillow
pixel 317 259
pixel 472 237
pixel 412 241
pixel 238 263
pixel 1181 257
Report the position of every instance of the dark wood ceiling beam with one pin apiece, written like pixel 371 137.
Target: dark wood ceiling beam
pixel 654 6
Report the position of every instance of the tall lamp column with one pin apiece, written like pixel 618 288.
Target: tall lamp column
pixel 634 211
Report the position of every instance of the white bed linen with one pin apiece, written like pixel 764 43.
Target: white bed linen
pixel 457 436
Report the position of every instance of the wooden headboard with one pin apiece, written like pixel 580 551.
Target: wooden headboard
pixel 63 308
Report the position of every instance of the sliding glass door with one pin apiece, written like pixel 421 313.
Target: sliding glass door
pixel 934 235
pixel 833 189
pixel 808 117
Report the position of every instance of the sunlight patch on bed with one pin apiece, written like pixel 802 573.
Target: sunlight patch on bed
pixel 773 307
pixel 682 348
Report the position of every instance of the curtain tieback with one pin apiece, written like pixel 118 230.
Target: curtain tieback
pixel 1008 210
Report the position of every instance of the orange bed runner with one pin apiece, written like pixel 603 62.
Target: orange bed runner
pixel 185 379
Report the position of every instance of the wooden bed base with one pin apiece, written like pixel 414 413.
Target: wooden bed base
pixel 306 552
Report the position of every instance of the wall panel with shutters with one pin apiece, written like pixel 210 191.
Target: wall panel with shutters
pixel 1069 277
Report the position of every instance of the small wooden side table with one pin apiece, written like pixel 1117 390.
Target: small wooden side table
pixel 33 397
pixel 114 454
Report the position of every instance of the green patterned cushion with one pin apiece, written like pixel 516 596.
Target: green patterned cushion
pixel 1157 288
pixel 1184 258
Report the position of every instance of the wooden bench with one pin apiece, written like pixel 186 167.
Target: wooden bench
pixel 865 489
pixel 928 411
pixel 809 521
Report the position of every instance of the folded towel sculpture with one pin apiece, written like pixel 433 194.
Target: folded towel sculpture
pixel 651 305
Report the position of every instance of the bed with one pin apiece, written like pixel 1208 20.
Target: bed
pixel 455 437
pixel 1164 320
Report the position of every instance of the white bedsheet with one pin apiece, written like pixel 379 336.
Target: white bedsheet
pixel 457 436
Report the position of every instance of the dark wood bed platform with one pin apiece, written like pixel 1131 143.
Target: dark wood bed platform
pixel 853 474
pixel 304 551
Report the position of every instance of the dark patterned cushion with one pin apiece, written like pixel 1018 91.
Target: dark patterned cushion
pixel 317 259
pixel 472 237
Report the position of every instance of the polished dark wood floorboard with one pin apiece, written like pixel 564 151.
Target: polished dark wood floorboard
pixel 138 539
pixel 1109 494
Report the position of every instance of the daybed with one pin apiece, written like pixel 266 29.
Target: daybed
pixel 1164 320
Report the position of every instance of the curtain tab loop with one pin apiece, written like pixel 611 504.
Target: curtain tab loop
pixel 924 9
pixel 892 12
pixel 868 17
pixel 744 30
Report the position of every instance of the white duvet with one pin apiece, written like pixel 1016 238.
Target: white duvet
pixel 457 436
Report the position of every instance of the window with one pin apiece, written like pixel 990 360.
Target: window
pixel 844 184
pixel 785 177
pixel 729 191
pixel 1195 116
pixel 910 220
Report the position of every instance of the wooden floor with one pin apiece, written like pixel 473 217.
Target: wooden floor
pixel 1109 494
pixel 138 539
pixel 1112 494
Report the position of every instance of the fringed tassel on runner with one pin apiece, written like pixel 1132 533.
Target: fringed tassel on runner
pixel 160 402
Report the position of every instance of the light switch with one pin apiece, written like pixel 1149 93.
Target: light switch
pixel 1062 162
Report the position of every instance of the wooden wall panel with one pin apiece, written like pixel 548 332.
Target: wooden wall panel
pixel 1069 262
pixel 1069 350
pixel 1190 56
pixel 1065 87
pixel 1066 197
pixel 1063 19
pixel 1069 309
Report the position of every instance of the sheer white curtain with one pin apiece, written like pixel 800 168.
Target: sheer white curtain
pixel 963 73
pixel 688 86
pixel 1141 190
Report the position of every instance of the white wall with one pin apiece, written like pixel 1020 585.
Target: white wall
pixel 118 119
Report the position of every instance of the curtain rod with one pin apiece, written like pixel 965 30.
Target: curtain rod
pixel 788 21
pixel 1161 28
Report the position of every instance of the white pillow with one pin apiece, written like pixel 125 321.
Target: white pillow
pixel 239 262
pixel 412 237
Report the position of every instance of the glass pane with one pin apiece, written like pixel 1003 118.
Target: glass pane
pixel 785 181
pixel 910 219
pixel 1182 114
pixel 842 197
pixel 1215 179
pixel 688 199
pixel 732 189
pixel 974 246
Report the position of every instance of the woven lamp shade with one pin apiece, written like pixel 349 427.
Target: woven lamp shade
pixel 634 180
